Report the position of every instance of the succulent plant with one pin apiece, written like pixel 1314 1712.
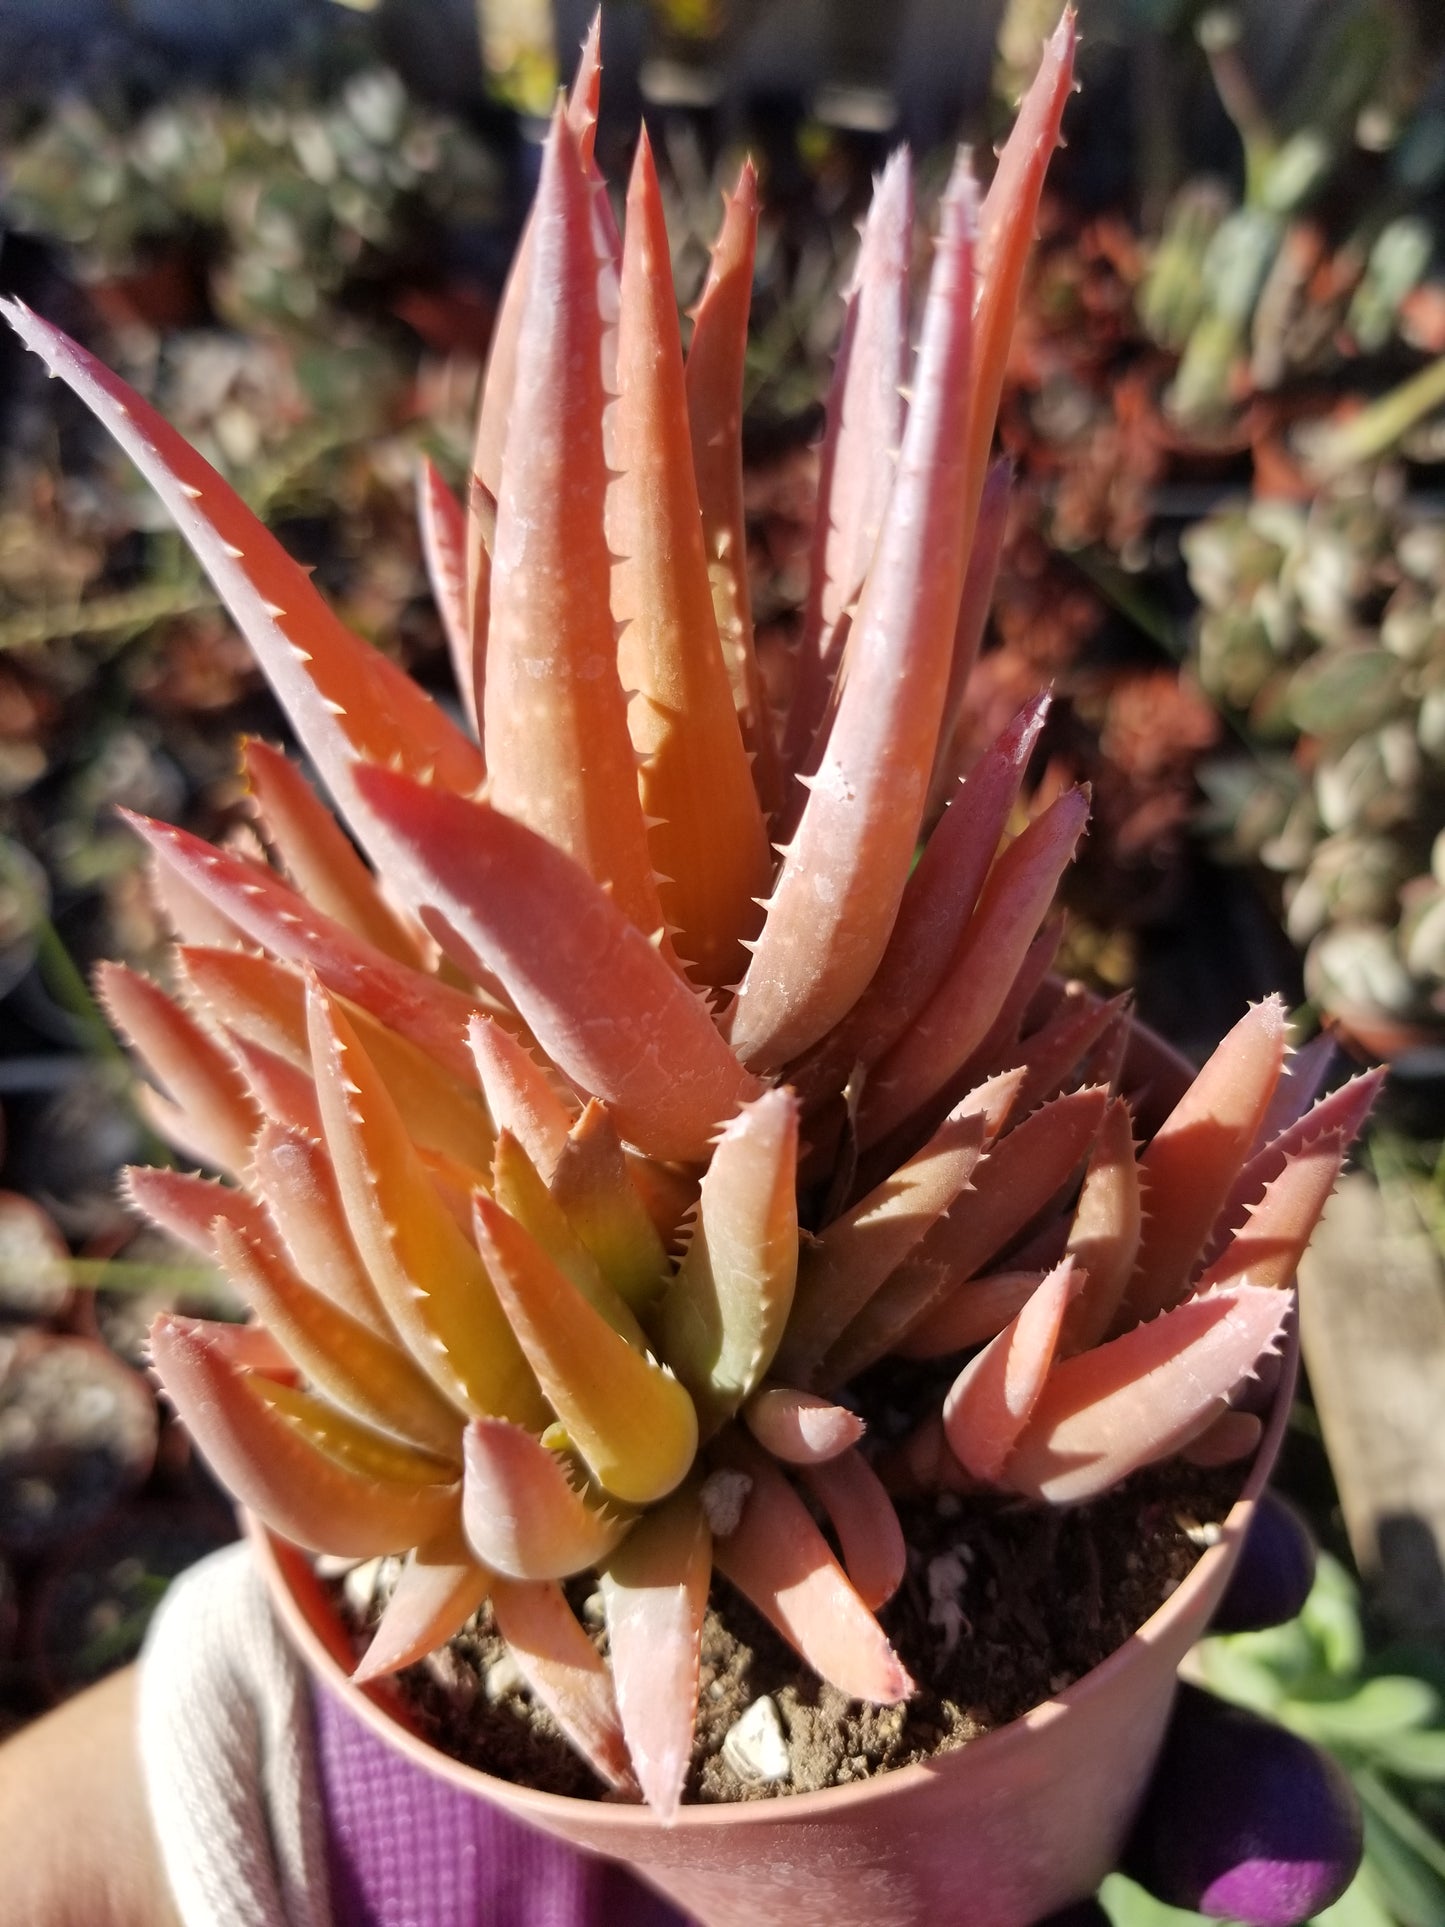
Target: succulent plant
pixel 1324 627
pixel 584 1152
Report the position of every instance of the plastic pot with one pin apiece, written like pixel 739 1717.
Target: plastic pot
pixel 996 1834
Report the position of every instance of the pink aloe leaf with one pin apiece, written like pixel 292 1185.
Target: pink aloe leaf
pixel 990 1402
pixel 1190 1165
pixel 1104 1238
pixel 520 1096
pixel 861 1513
pixel 628 1418
pixel 431 1014
pixel 1005 236
pixel 554 721
pixel 593 1185
pixel 800 1428
pixel 974 603
pixel 976 1312
pixel 196 1072
pixel 523 1515
pixel 519 1190
pixel 724 1314
pixel 1013 904
pixel 188 1206
pixel 318 858
pixel 343 697
pixel 565 1671
pixel 440 1587
pixel 654 1587
pixel 1141 1397
pixel 705 825
pixel 1023 1171
pixel 837 894
pixel 427 1275
pixel 185 912
pixel 443 523
pixel 1231 1437
pixel 1267 1247
pixel 924 1462
pixel 1001 1045
pixel 1300 1083
pixel 294 1175
pixel 938 900
pixel 856 1254
pixel 342 1358
pixel 604 1006
pixel 280 1472
pixel 1053 1055
pixel 713 377
pixel 779 1560
pixel 1343 1111
pixel 862 438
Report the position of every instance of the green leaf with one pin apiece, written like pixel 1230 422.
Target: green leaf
pixel 1344 691
pixel 1380 1709
pixel 1128 1905
pixel 1413 1756
pixel 1362 1904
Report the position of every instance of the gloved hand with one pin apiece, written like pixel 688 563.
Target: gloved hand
pixel 1243 1820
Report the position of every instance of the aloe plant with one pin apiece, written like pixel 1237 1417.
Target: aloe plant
pixel 581 1150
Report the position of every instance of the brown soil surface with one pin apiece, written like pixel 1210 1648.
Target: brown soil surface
pixel 1004 1604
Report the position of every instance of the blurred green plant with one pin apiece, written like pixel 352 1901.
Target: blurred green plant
pixel 1382 1716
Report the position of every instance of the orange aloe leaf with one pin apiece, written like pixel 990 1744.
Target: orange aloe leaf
pixel 431 1014
pixel 725 1312
pixel 344 698
pixel 1139 1398
pixel 716 359
pixel 523 1515
pixel 294 1175
pixel 1104 1237
pixel 520 1191
pixel 779 1560
pixel 1190 1164
pixel 188 1207
pixel 654 1587
pixel 974 603
pixel 606 1009
pixel 593 1185
pixel 285 1095
pixel 861 441
pixel 705 825
pixel 861 1513
pixel 519 1094
pixel 279 1471
pixel 832 909
pixel 554 719
pixel 976 1312
pixel 938 900
pixel 631 1421
pixel 264 1002
pixel 186 913
pixel 1014 902
pixel 440 1587
pixel 443 523
pixel 217 1110
pixel 1005 236
pixel 345 1361
pixel 1021 1174
pixel 427 1275
pixel 1344 1111
pixel 854 1256
pixel 318 858
pixel 565 1671
pixel 800 1428
pixel 990 1402
pixel 1267 1247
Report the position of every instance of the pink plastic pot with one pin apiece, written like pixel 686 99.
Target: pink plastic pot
pixel 996 1834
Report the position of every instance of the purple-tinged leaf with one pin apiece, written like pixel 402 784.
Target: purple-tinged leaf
pixel 1267 1247
pixel 832 910
pixel 974 604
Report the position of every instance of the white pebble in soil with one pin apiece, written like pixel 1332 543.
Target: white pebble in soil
pixel 947 1577
pixel 722 1497
pixel 756 1748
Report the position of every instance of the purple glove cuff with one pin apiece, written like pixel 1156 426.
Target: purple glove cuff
pixel 407 1850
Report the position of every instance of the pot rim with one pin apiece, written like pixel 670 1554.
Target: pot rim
pixel 306 1613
